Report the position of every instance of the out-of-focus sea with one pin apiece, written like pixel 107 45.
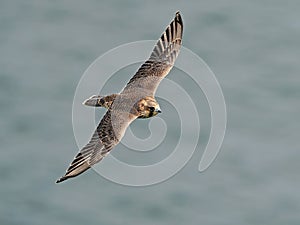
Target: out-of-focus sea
pixel 252 47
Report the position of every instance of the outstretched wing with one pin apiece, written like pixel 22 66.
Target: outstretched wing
pixel 160 62
pixel 107 135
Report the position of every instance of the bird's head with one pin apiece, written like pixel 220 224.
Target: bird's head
pixel 148 107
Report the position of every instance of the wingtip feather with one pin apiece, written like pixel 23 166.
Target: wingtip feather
pixel 178 18
pixel 61 179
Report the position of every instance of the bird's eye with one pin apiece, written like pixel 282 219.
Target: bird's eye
pixel 151 109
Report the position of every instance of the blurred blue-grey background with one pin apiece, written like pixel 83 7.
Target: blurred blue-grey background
pixel 253 48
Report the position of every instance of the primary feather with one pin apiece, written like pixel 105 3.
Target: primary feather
pixel 125 107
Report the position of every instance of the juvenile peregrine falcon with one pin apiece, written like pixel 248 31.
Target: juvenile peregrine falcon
pixel 136 100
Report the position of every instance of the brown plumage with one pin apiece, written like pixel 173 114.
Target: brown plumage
pixel 136 100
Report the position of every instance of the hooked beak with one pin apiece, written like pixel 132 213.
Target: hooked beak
pixel 158 110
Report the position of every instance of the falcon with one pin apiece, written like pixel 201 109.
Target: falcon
pixel 135 101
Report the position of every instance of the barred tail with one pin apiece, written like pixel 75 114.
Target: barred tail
pixel 94 100
pixel 100 101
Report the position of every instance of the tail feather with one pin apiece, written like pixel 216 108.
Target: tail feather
pixel 95 100
pixel 100 101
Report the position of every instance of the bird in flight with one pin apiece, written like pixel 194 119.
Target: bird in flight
pixel 135 101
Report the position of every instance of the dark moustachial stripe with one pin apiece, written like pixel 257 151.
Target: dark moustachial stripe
pixel 150 114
